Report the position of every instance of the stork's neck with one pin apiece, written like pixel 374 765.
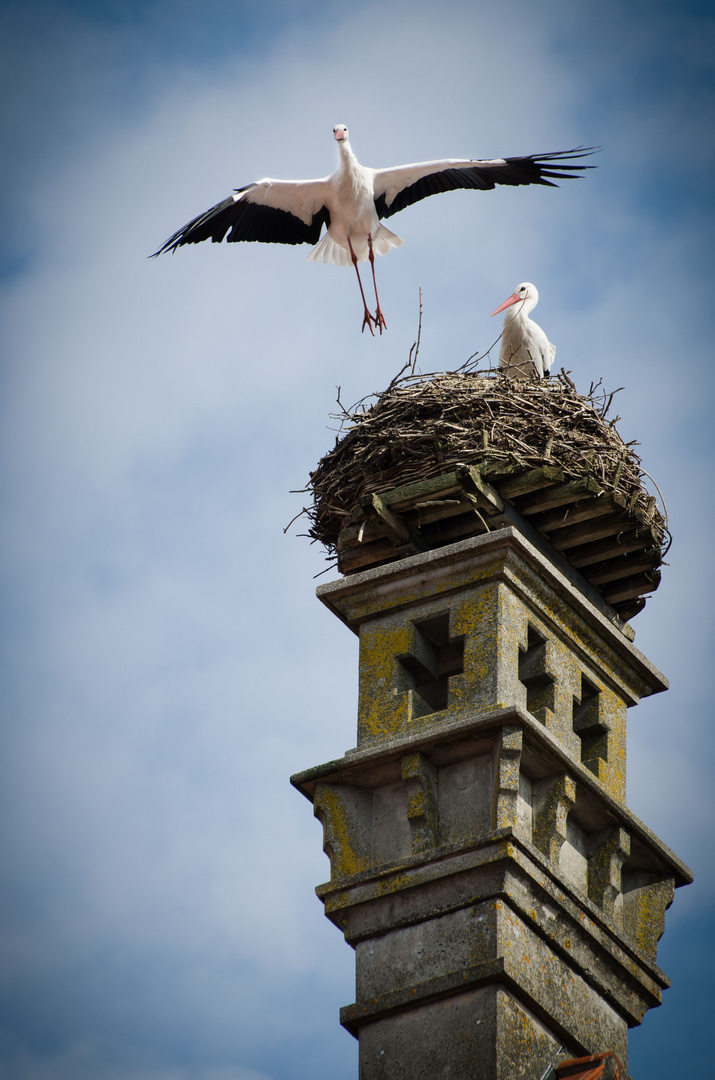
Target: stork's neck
pixel 348 162
pixel 515 313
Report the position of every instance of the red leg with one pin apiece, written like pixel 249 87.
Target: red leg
pixel 367 317
pixel 379 317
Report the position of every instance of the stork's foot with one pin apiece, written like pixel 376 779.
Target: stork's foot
pixel 380 320
pixel 367 320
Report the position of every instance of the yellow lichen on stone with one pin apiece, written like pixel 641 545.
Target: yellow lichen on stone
pixel 382 703
pixel 339 842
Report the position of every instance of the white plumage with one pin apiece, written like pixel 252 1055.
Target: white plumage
pixel 525 349
pixel 351 203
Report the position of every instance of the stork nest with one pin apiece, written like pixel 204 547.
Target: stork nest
pixel 422 426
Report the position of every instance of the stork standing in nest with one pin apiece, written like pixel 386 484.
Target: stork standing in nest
pixel 352 201
pixel 525 349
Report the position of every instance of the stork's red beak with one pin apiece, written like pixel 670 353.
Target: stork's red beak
pixel 513 299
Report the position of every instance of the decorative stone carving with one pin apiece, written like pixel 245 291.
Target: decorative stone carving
pixel 550 817
pixel 508 759
pixel 645 901
pixel 604 870
pixel 420 778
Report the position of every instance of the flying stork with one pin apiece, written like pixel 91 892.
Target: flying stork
pixel 352 201
pixel 525 349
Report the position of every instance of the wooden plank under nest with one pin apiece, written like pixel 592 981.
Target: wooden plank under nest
pixel 644 538
pixel 575 535
pixel 616 546
pixel 558 495
pixel 435 487
pixel 478 490
pixel 469 523
pixel 425 513
pixel 629 608
pixel 524 484
pixel 377 510
pixel 433 512
pixel 375 554
pixel 632 587
pixel 623 567
pixel 586 510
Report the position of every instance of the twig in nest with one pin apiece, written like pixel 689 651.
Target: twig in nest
pixel 662 500
pixel 305 510
pixel 331 566
pixel 340 404
pixel 411 359
pixel 416 346
pixel 469 366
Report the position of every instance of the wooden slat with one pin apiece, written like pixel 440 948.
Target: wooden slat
pixel 533 480
pixel 630 587
pixel 376 510
pixel 586 510
pixel 407 527
pixel 364 533
pixel 476 487
pixel 497 471
pixel 622 568
pixel 629 608
pixel 364 556
pixel 417 519
pixel 458 527
pixel 436 487
pixel 586 531
pixel 612 546
pixel 435 510
pixel 558 495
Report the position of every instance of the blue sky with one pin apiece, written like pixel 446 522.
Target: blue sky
pixel 166 666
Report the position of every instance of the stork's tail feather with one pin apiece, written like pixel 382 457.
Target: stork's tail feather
pixel 327 251
pixel 552 357
pixel 330 251
pixel 383 240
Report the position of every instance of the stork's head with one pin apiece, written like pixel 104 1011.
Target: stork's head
pixel 525 294
pixel 340 132
pixel 527 291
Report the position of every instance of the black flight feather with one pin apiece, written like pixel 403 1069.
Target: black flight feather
pixel 247 221
pixel 534 169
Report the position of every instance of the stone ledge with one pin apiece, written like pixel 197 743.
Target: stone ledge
pixel 489 971
pixel 502 871
pixel 373 766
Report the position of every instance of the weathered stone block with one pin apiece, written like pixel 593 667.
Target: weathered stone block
pixel 482 1033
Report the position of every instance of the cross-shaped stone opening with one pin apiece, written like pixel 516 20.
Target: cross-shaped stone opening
pixel 534 675
pixel 434 659
pixel 589 726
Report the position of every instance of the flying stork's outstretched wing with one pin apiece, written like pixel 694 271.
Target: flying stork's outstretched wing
pixel 400 187
pixel 269 212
